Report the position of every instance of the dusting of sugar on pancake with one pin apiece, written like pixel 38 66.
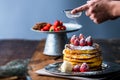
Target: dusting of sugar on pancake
pixel 71 46
pixel 82 51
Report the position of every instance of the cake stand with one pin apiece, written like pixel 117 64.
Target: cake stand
pixel 56 41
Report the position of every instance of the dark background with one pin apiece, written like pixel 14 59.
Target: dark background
pixel 18 16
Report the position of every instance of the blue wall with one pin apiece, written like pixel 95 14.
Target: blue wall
pixel 18 16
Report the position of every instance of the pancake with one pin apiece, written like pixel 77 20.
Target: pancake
pixel 83 60
pixel 77 56
pixel 82 56
pixel 83 51
pixel 91 64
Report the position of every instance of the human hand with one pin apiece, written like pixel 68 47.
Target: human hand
pixel 98 10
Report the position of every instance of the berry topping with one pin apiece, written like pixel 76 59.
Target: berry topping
pixel 76 42
pixel 81 36
pixel 89 41
pixel 82 42
pixel 76 68
pixel 84 67
pixel 72 39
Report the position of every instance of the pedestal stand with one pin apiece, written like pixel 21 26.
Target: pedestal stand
pixel 55 43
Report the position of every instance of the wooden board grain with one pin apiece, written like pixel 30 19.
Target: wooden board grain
pixel 39 61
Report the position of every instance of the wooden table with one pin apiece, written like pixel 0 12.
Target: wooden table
pixel 109 47
pixel 39 60
pixel 14 49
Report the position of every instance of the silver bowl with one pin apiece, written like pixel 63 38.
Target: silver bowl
pixel 72 16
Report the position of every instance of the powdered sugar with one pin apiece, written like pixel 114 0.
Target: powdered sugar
pixel 83 47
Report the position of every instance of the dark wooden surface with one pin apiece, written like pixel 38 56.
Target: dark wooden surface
pixel 16 49
pixel 22 49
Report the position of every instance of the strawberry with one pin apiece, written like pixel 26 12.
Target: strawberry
pixel 84 67
pixel 56 23
pixel 76 42
pixel 46 28
pixel 81 36
pixel 72 39
pixel 48 24
pixel 82 42
pixel 76 68
pixel 61 23
pixel 63 28
pixel 51 28
pixel 89 41
pixel 57 29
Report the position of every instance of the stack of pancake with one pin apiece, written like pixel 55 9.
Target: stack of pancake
pixel 85 54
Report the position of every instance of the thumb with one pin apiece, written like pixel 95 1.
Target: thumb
pixel 80 9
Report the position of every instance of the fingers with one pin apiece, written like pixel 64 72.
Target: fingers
pixel 80 9
pixel 92 17
pixel 92 12
pixel 83 7
pixel 96 21
pixel 89 11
